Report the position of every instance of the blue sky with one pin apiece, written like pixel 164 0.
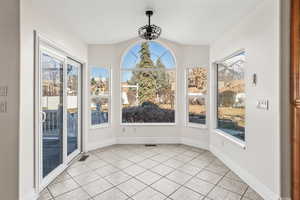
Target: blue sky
pixel 157 51
pixel 72 70
pixel 132 57
pixel 99 72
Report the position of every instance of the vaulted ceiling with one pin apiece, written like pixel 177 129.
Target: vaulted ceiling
pixel 183 21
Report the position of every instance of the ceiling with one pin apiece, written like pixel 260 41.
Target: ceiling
pixel 182 21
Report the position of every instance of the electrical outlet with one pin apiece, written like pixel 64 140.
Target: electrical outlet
pixel 123 130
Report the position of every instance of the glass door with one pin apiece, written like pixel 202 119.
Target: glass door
pixel 52 70
pixel 59 113
pixel 73 108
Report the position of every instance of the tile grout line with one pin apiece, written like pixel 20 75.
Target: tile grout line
pixel 80 186
pixel 52 197
pixel 204 168
pixel 132 177
pixel 243 195
pixel 161 176
pixel 163 151
pixel 174 169
pixel 192 177
pixel 216 185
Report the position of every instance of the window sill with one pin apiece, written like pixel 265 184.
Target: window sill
pixel 194 125
pixel 106 125
pixel 148 124
pixel 239 143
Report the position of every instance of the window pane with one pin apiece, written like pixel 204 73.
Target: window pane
pixel 130 60
pixel 129 95
pixel 99 81
pixel 156 48
pixel 148 97
pixel 231 96
pixel 197 109
pixel 99 110
pixel 197 80
pixel 152 52
pixel 148 89
pixel 52 108
pixel 73 73
pixel 168 60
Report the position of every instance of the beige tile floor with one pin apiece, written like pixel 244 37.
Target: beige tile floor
pixel 136 172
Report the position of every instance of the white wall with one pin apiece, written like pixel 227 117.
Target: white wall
pixel 102 56
pixel 111 55
pixel 9 76
pixel 259 163
pixel 35 17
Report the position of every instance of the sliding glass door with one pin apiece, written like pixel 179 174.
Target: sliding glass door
pixel 52 70
pixel 73 107
pixel 59 112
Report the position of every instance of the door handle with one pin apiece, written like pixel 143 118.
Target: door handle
pixel 44 116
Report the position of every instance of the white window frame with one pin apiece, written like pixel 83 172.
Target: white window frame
pixel 149 69
pixel 108 96
pixel 187 95
pixel 215 129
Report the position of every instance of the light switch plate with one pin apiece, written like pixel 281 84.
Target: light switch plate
pixel 263 104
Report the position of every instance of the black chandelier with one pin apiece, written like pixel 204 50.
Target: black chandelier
pixel 149 32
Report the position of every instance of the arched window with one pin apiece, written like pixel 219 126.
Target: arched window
pixel 148 84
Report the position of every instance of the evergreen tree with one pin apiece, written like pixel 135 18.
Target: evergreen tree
pixel 145 55
pixel 151 84
pixel 162 77
pixel 163 86
pixel 145 80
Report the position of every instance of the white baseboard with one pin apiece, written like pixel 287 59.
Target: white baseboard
pixel 105 143
pixel 194 143
pixel 135 140
pixel 252 181
pixel 148 140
